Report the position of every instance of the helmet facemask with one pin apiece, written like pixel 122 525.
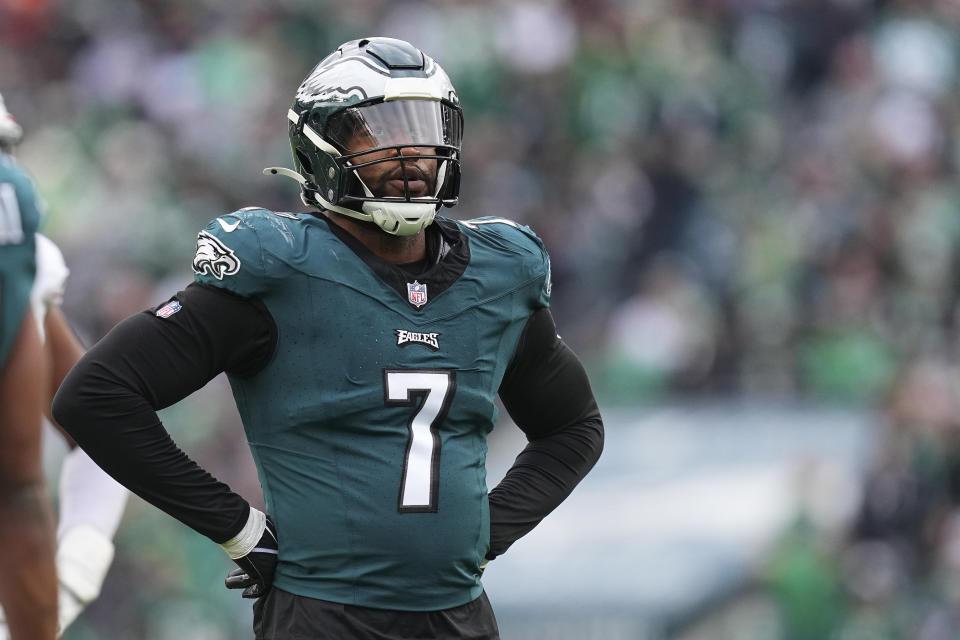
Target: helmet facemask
pixel 393 163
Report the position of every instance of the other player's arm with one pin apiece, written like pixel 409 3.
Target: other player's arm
pixel 91 502
pixel 546 392
pixel 63 352
pixel 28 584
pixel 108 404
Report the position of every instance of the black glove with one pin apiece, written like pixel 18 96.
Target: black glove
pixel 255 575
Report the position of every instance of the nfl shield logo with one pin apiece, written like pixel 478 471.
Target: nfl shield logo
pixel 417 294
pixel 168 309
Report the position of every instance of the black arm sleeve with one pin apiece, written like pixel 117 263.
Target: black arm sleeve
pixel 108 401
pixel 546 392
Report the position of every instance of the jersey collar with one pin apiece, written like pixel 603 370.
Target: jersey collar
pixel 447 249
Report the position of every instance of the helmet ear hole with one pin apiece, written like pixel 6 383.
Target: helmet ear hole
pixel 304 162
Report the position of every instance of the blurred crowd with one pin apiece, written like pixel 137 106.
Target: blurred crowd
pixel 749 197
pixel 765 186
pixel 892 571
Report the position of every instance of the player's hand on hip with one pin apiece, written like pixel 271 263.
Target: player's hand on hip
pixel 257 560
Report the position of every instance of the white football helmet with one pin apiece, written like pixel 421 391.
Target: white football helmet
pixel 10 131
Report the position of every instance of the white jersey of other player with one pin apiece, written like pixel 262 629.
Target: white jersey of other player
pixel 50 281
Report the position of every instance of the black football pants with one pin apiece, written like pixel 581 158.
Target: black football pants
pixel 283 616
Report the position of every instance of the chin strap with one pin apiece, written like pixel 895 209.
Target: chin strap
pixel 293 175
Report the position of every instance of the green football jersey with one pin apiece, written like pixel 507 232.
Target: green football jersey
pixel 369 425
pixel 19 220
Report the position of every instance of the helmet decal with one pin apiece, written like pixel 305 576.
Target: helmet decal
pixel 314 92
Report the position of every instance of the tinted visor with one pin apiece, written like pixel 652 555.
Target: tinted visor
pixel 425 123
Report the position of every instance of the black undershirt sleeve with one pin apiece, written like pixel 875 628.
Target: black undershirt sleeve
pixel 546 392
pixel 108 401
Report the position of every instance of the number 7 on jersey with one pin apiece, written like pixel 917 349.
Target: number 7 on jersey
pixel 431 391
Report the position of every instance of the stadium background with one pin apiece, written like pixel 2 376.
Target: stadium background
pixel 751 208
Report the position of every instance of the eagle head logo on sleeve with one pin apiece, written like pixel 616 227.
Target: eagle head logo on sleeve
pixel 214 258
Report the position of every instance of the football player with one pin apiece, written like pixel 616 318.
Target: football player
pixel 91 502
pixel 365 341
pixel 28 584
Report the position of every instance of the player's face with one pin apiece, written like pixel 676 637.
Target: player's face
pixel 385 179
